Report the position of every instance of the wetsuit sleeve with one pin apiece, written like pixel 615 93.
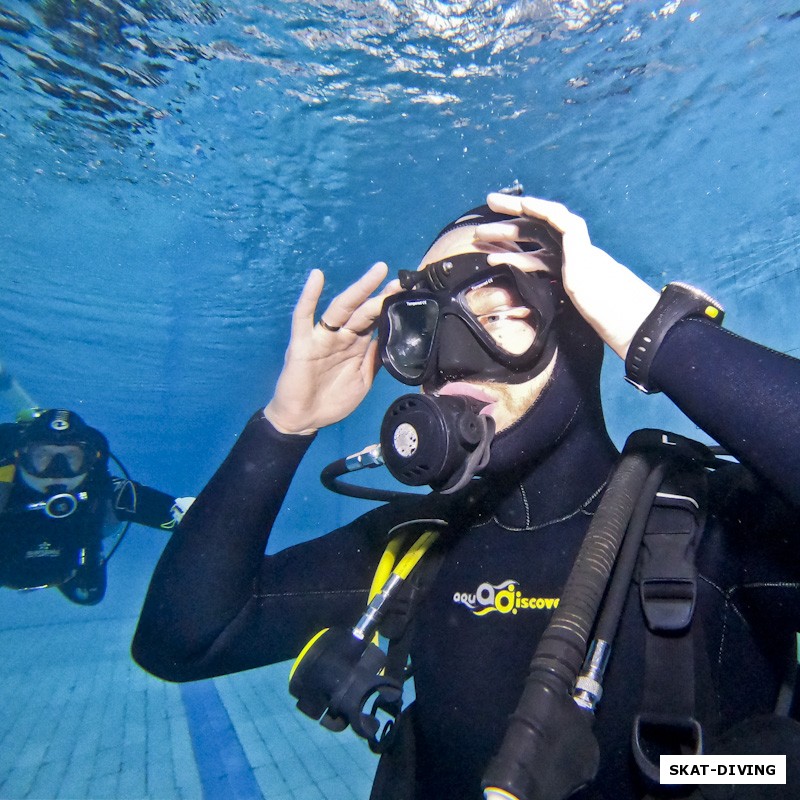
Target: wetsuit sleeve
pixel 134 502
pixel 216 604
pixel 744 395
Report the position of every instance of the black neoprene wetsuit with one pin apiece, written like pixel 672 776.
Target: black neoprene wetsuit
pixel 217 605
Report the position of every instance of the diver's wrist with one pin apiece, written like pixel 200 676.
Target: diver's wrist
pixel 284 426
pixel 629 320
pixel 614 301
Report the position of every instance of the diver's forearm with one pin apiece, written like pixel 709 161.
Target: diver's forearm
pixel 742 394
pixel 209 569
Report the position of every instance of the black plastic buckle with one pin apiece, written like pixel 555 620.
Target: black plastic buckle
pixel 668 603
pixel 667 571
pixel 655 735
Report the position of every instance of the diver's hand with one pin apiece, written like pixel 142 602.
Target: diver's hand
pixel 326 373
pixel 613 300
pixel 180 507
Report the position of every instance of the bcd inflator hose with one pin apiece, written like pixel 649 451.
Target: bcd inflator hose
pixel 549 750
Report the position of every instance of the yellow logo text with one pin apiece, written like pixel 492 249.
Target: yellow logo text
pixel 504 598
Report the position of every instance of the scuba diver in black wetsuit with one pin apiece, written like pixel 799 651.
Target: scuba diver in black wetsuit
pixel 503 326
pixel 58 502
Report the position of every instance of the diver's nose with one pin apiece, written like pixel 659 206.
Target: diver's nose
pixel 459 355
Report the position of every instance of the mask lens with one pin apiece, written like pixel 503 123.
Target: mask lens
pixel 500 310
pixel 412 324
pixel 41 456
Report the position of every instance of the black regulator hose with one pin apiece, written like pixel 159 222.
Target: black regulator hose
pixel 127 526
pixel 549 750
pixel 329 477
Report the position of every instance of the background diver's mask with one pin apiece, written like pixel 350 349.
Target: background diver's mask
pixel 46 460
pixel 44 465
pixel 461 319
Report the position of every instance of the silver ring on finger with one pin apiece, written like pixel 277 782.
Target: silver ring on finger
pixel 331 328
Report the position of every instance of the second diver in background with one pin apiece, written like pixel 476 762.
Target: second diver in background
pixel 59 502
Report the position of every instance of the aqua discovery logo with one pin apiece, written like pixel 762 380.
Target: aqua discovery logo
pixel 504 598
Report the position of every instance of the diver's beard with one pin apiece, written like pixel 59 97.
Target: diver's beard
pixel 515 401
pixel 550 413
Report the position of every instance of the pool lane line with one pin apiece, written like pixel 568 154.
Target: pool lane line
pixel 225 773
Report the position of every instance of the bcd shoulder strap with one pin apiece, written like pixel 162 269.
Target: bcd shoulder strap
pixel 667 576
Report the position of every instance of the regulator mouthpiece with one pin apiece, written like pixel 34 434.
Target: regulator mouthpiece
pixel 439 441
pixel 58 506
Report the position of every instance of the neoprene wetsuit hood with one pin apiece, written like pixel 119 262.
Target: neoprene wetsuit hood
pixel 460 324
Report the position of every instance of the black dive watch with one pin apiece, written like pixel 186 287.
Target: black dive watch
pixel 678 301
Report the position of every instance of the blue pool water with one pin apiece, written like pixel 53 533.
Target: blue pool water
pixel 172 169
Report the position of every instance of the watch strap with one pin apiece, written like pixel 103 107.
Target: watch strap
pixel 678 301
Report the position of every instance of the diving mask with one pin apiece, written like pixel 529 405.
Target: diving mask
pixel 45 460
pixel 57 447
pixel 461 319
pixel 45 466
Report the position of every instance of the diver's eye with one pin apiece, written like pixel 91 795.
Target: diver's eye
pixel 503 314
pixel 511 329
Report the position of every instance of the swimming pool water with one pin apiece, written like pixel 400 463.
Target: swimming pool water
pixel 173 169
